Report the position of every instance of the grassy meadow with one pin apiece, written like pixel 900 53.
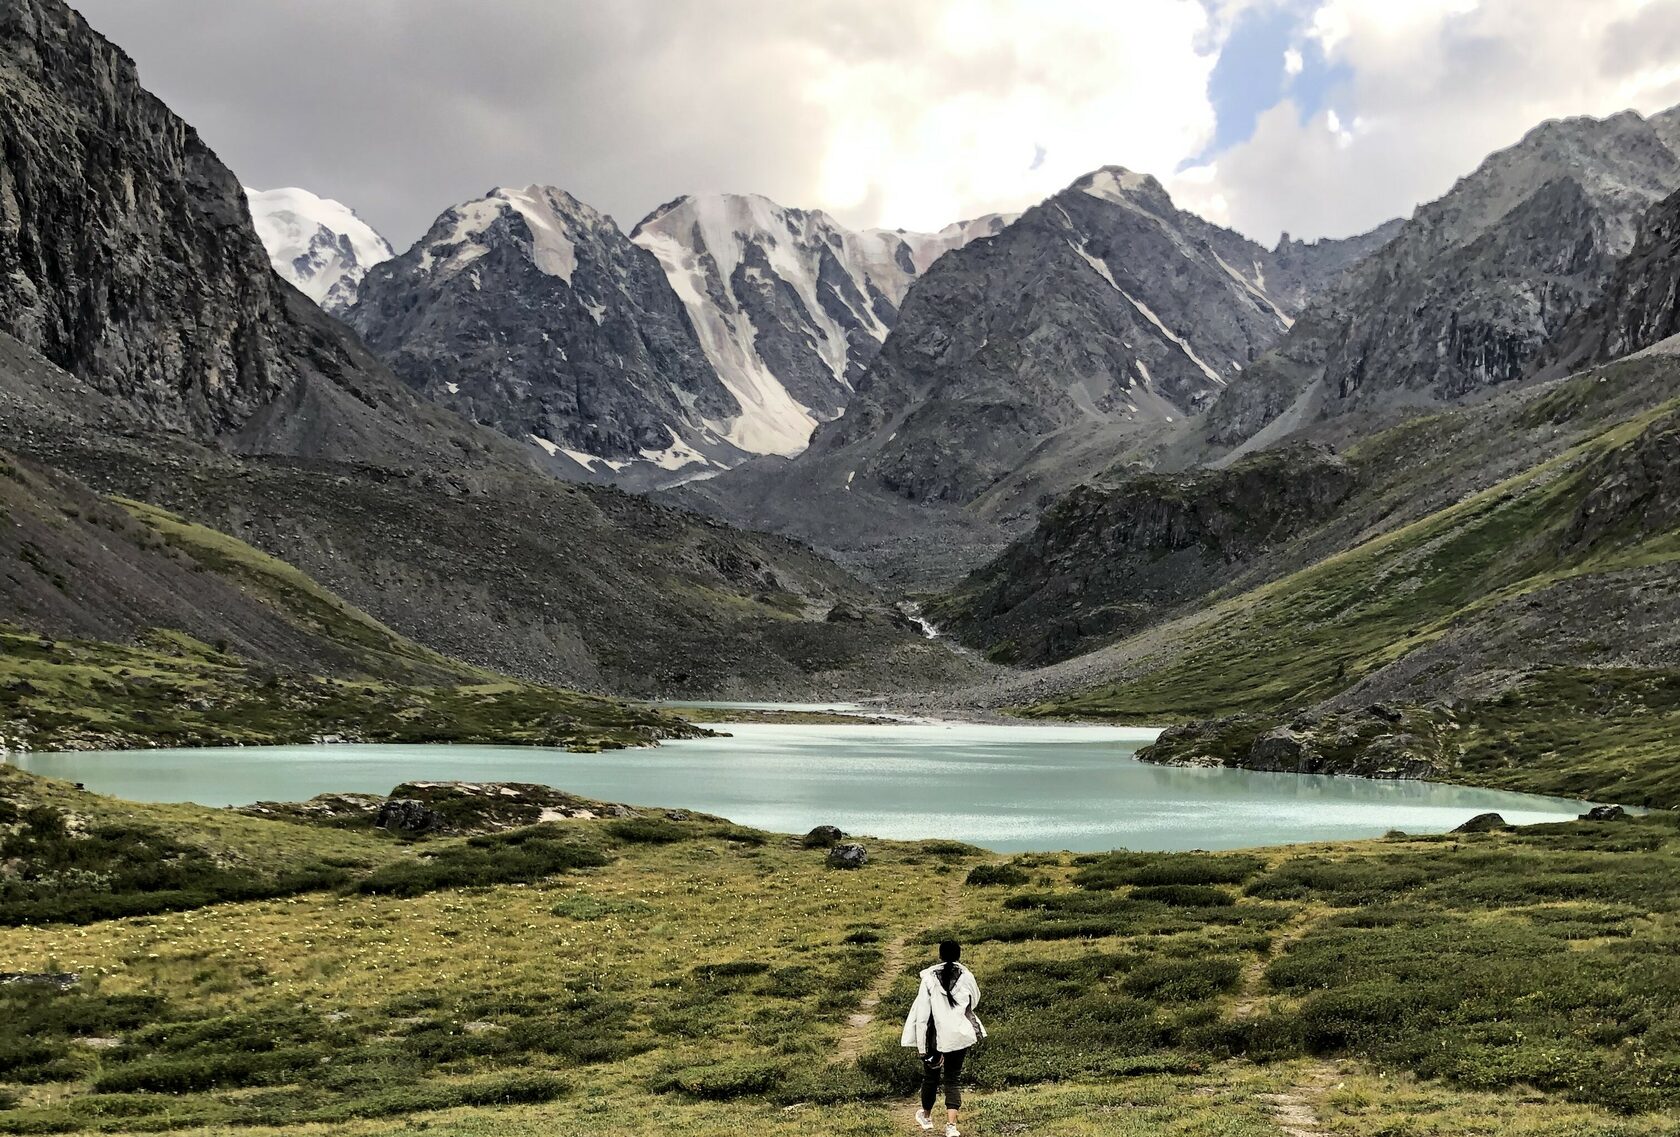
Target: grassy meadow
pixel 679 974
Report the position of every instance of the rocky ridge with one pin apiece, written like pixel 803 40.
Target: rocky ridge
pixel 531 312
pixel 1471 289
pixel 1106 560
pixel 789 305
pixel 1641 302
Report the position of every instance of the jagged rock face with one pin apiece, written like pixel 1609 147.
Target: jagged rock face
pixel 790 306
pixel 530 311
pixel 317 244
pixel 1472 287
pixel 1107 561
pixel 1640 305
pixel 1634 490
pixel 1104 305
pixel 128 258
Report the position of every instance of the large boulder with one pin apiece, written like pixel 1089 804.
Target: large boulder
pixel 1604 813
pixel 849 855
pixel 824 837
pixel 406 815
pixel 1483 823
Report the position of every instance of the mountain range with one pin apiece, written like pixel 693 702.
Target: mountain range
pixel 1092 441
pixel 157 358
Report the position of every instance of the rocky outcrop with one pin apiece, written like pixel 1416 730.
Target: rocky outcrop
pixel 530 311
pixel 1633 492
pixel 1104 562
pixel 1371 743
pixel 432 809
pixel 1472 287
pixel 1483 823
pixel 789 305
pixel 848 855
pixel 128 258
pixel 1640 305
pixel 406 815
pixel 823 837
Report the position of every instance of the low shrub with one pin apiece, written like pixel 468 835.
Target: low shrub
pixel 1119 869
pixel 723 1081
pixel 647 831
pixel 983 875
pixel 520 855
pixel 1185 895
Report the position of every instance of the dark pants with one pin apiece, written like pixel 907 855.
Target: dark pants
pixel 950 1070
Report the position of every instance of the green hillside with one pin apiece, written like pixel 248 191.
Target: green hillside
pixel 1529 620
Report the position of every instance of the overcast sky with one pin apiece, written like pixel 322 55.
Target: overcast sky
pixel 1322 117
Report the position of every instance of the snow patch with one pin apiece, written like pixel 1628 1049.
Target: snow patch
pixel 317 244
pixel 675 456
pixel 1111 183
pixel 1143 310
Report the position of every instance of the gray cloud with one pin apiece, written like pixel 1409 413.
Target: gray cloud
pixel 883 112
pixel 402 107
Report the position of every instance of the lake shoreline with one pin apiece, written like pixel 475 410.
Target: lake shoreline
pixel 1014 788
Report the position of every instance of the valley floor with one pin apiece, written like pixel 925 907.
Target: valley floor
pixel 672 973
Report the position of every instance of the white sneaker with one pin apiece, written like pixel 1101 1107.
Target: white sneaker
pixel 951 1130
pixel 924 1121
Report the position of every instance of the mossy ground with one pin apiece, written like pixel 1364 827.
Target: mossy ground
pixel 172 690
pixel 1502 983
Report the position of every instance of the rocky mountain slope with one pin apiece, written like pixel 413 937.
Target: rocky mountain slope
pixel 1106 561
pixel 532 312
pixel 1024 364
pixel 723 327
pixel 1641 302
pixel 131 262
pixel 317 244
pixel 789 305
pixel 194 379
pixel 1474 285
pixel 1142 549
pixel 1500 585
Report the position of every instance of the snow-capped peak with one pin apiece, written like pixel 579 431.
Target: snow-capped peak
pixel 1117 184
pixel 556 220
pixel 316 243
pixel 789 304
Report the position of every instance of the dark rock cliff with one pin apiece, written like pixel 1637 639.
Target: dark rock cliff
pixel 1104 562
pixel 531 312
pixel 130 260
pixel 1472 288
pixel 1640 305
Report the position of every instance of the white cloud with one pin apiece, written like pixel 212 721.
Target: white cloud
pixel 951 126
pixel 1435 86
pixel 1293 63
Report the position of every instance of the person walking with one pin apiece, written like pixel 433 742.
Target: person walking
pixel 942 1026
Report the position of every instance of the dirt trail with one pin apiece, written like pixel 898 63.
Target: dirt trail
pixel 892 963
pixel 1296 1109
pixel 1249 993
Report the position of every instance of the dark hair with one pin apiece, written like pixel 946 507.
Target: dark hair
pixel 949 952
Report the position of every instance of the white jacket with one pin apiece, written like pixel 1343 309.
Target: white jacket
pixel 957 1027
